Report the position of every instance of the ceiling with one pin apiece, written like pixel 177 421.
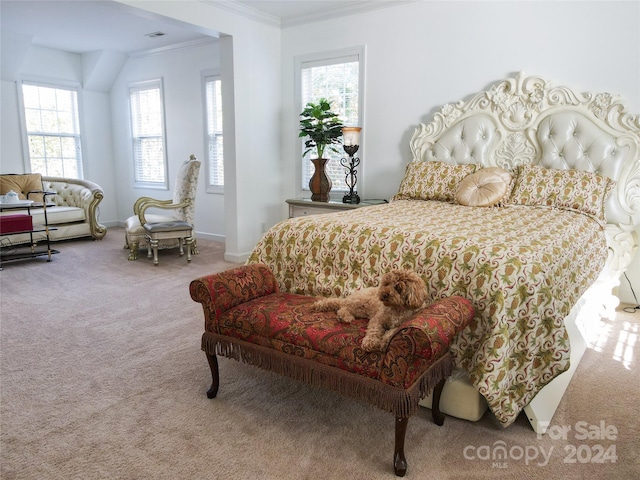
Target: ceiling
pixel 86 26
pixel 91 25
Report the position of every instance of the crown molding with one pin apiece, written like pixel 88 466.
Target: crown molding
pixel 335 11
pixel 246 11
pixel 177 46
pixel 343 10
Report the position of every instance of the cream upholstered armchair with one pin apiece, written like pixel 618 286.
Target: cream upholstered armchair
pixel 182 207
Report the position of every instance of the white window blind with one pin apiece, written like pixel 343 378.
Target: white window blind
pixel 147 131
pixel 213 93
pixel 52 124
pixel 338 79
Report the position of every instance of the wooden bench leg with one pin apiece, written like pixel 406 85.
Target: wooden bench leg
pixel 399 460
pixel 215 376
pixel 436 414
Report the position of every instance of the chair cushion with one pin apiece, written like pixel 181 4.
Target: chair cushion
pixel 174 226
pixel 133 227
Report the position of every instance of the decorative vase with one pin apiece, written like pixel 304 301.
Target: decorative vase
pixel 320 183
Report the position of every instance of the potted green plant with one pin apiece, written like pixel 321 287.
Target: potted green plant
pixel 323 129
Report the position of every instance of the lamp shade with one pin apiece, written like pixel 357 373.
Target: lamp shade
pixel 351 135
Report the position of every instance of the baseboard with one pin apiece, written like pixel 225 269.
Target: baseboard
pixel 236 258
pixel 211 236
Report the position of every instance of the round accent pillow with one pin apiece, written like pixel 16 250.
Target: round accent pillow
pixel 484 188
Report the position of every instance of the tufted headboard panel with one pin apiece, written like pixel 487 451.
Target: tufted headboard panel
pixel 570 140
pixel 528 120
pixel 470 140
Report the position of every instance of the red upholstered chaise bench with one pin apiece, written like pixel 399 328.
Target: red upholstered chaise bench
pixel 247 318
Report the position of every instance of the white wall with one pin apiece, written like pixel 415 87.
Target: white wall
pixel 180 70
pixel 11 160
pixel 425 54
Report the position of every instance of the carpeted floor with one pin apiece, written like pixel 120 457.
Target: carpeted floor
pixel 102 377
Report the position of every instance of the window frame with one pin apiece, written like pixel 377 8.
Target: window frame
pixel 59 85
pixel 142 184
pixel 328 57
pixel 209 187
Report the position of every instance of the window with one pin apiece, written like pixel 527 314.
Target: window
pixel 52 129
pixel 147 132
pixel 215 160
pixel 338 77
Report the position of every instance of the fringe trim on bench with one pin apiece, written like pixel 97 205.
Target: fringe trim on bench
pixel 402 403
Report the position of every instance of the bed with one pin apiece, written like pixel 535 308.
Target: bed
pixel 524 198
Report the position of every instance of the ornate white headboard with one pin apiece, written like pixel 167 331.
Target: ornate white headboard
pixel 527 120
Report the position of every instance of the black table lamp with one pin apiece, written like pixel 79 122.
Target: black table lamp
pixel 351 144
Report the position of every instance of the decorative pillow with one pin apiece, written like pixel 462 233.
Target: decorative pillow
pixel 484 188
pixel 22 184
pixel 570 189
pixel 432 181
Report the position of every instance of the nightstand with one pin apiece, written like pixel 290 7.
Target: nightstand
pixel 299 207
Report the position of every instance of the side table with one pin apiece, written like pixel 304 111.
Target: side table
pixel 299 207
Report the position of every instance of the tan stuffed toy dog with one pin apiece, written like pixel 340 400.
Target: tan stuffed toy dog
pixel 400 295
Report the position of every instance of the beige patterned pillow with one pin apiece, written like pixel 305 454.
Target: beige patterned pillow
pixel 570 189
pixel 484 188
pixel 432 181
pixel 22 184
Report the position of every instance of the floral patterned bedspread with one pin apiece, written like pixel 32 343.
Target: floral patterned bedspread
pixel 523 268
